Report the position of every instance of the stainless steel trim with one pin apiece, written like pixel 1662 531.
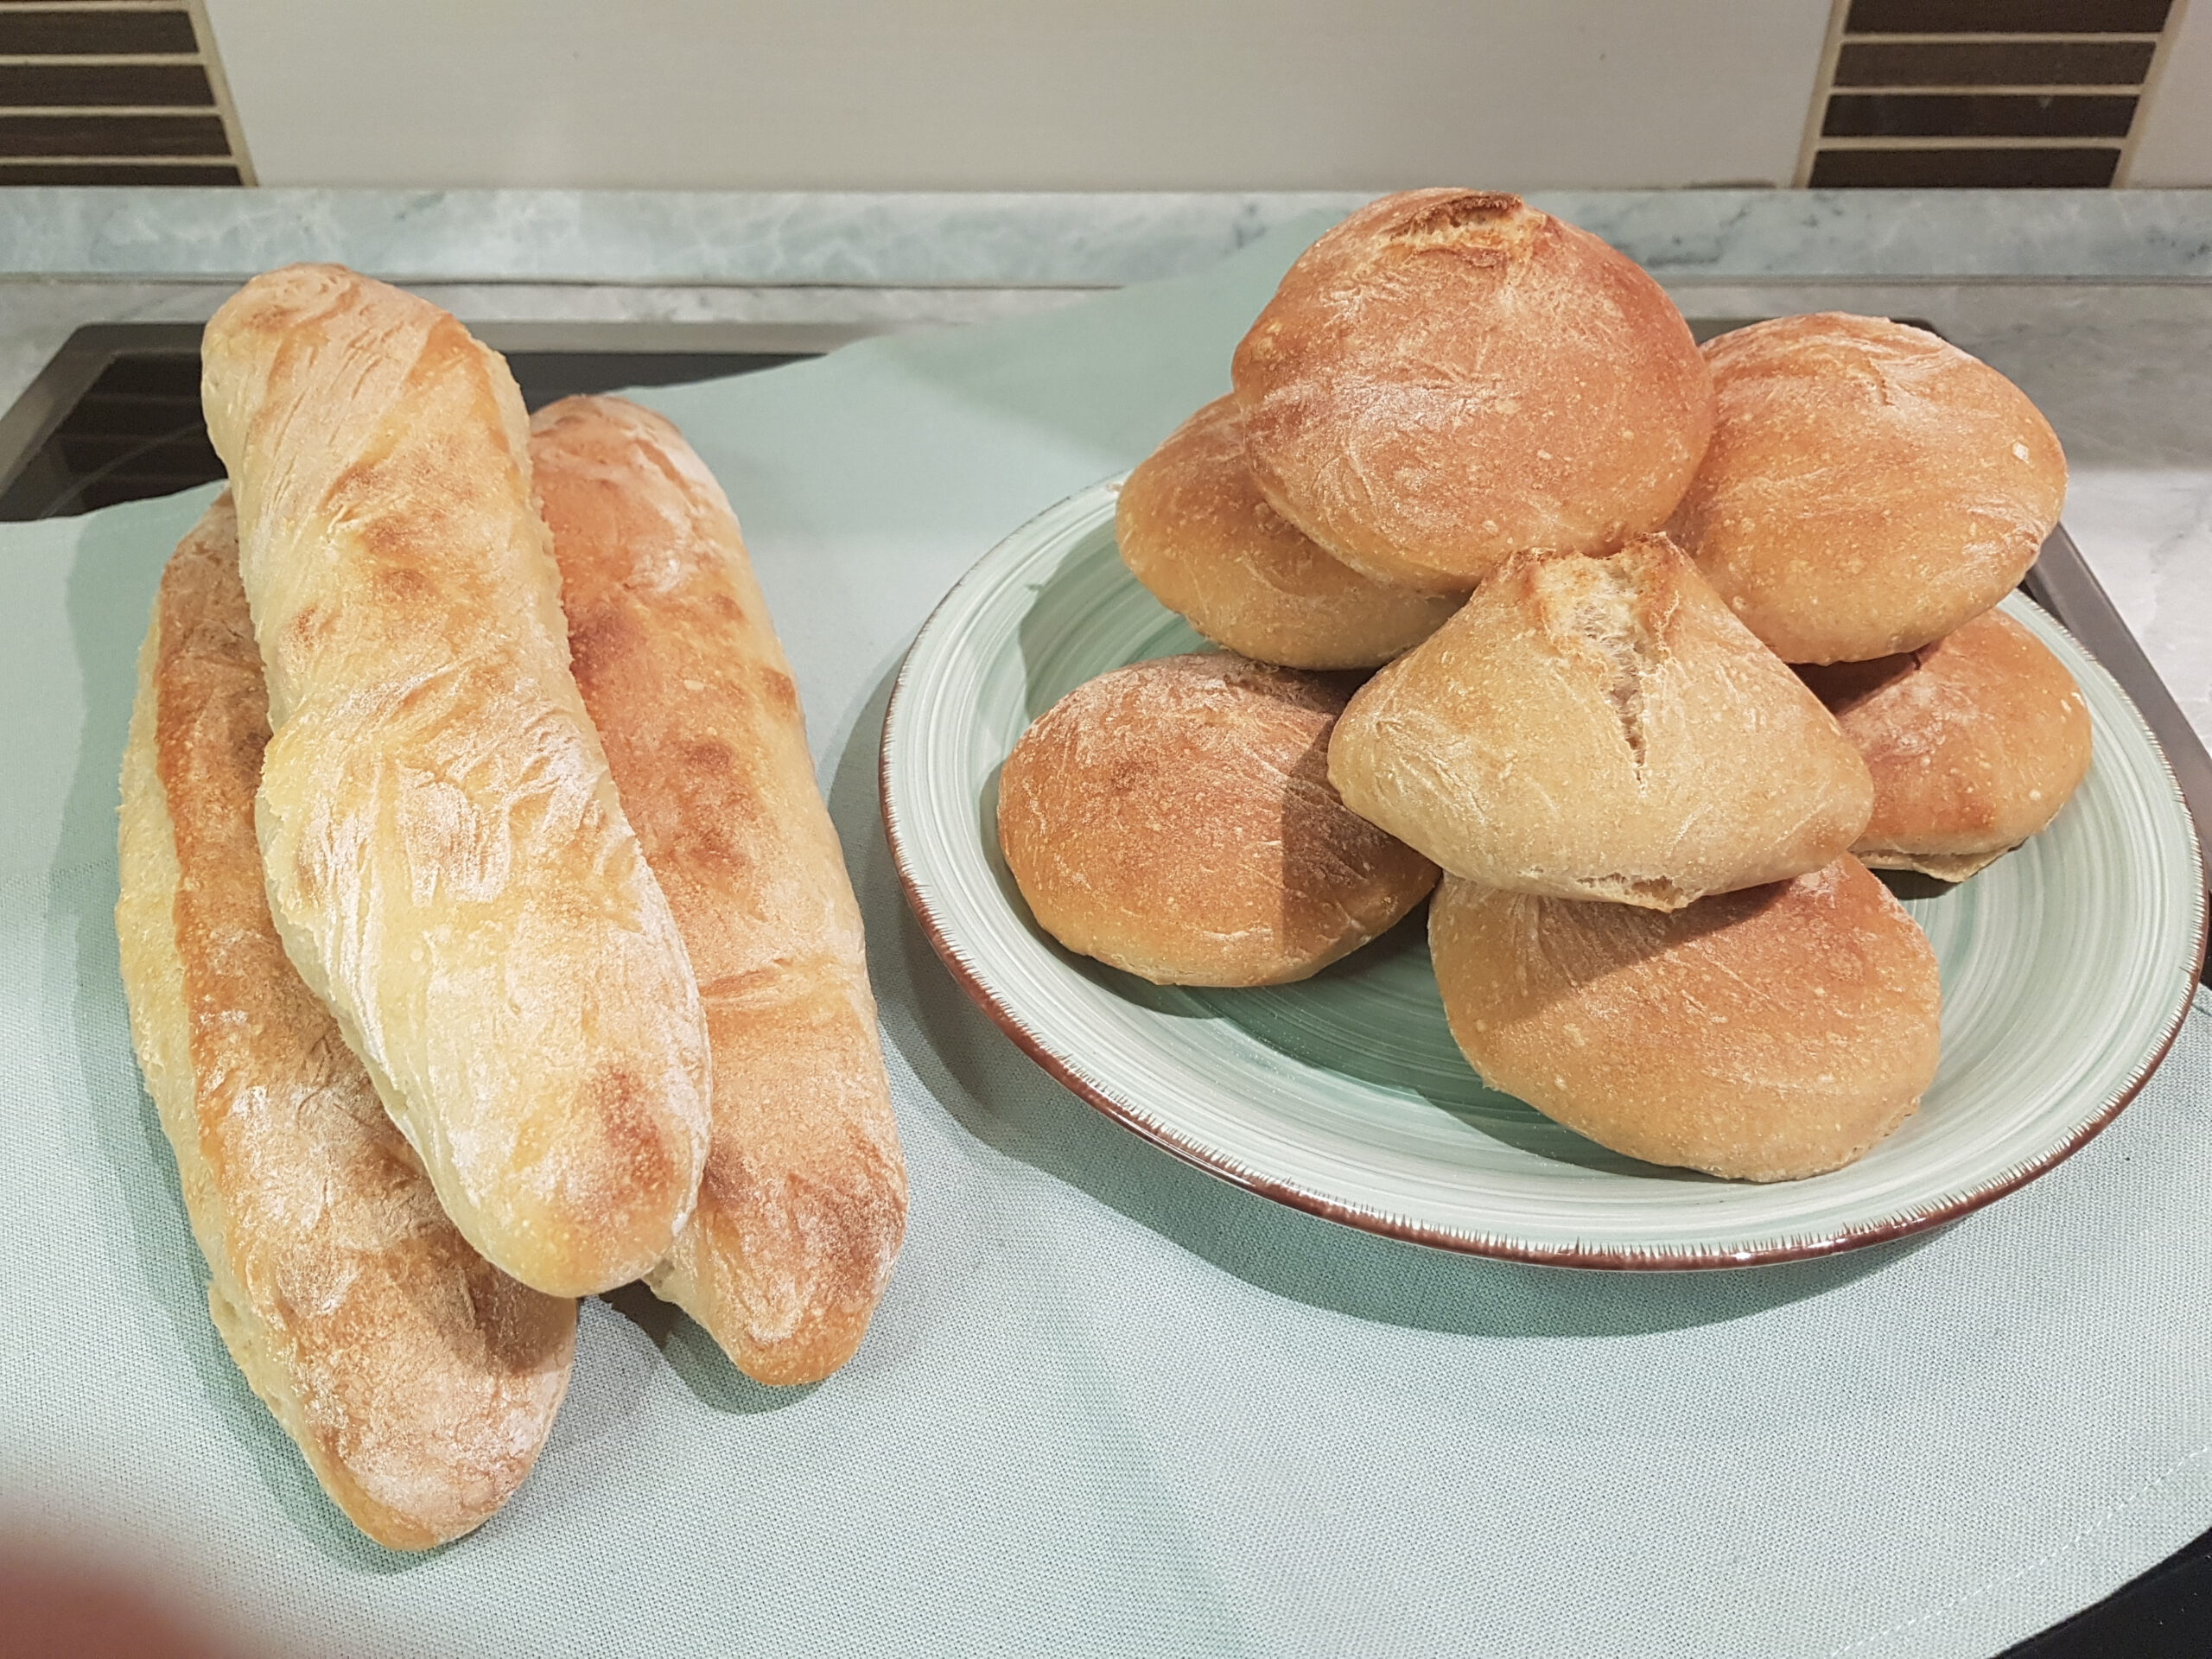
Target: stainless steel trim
pixel 2062 583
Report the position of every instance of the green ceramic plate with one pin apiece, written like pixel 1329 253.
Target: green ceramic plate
pixel 2067 969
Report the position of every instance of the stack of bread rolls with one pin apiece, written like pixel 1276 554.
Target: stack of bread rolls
pixel 1667 646
pixel 487 940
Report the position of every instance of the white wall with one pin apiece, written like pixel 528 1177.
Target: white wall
pixel 2176 147
pixel 1022 94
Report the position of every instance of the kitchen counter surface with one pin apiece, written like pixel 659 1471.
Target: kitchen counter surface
pixel 2098 302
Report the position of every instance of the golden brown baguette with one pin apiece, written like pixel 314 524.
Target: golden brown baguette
pixel 1975 743
pixel 1762 1035
pixel 447 859
pixel 1602 729
pixel 419 1381
pixel 805 1201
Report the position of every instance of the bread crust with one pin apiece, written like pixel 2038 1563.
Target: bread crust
pixel 1975 743
pixel 1602 729
pixel 1764 1035
pixel 1452 376
pixel 1174 819
pixel 804 1204
pixel 1870 488
pixel 447 858
pixel 1195 530
pixel 418 1381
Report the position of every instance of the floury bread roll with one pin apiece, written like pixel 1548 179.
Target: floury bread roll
pixel 804 1200
pixel 1975 743
pixel 1197 532
pixel 1869 488
pixel 1762 1035
pixel 1174 819
pixel 419 1382
pixel 1450 377
pixel 447 859
pixel 1602 729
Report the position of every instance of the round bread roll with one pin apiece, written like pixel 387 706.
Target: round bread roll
pixel 1762 1036
pixel 1174 818
pixel 1602 729
pixel 1197 532
pixel 1869 488
pixel 1453 376
pixel 1975 743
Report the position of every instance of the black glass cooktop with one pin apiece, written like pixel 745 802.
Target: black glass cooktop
pixel 116 417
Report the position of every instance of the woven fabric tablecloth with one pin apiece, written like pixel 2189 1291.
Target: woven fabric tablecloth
pixel 1111 1406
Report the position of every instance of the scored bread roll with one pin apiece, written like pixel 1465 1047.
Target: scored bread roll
pixel 804 1200
pixel 1762 1035
pixel 418 1381
pixel 1601 729
pixel 1869 488
pixel 1450 377
pixel 1196 530
pixel 1174 819
pixel 447 859
pixel 1975 743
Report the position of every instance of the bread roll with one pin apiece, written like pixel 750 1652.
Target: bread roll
pixel 447 860
pixel 1197 532
pixel 1762 1035
pixel 1869 487
pixel 804 1200
pixel 1975 743
pixel 1602 729
pixel 1450 377
pixel 1174 819
pixel 419 1382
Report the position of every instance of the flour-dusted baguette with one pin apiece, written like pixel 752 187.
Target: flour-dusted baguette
pixel 447 859
pixel 418 1380
pixel 805 1201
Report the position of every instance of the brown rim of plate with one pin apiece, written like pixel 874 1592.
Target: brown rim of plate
pixel 1389 1226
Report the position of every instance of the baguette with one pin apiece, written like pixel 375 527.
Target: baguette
pixel 447 860
pixel 805 1201
pixel 419 1382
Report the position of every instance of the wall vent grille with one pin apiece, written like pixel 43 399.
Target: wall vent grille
pixel 1990 93
pixel 114 92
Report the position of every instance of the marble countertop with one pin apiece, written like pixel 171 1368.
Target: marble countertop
pixel 2098 302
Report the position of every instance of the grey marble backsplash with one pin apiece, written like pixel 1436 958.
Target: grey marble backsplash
pixel 1050 240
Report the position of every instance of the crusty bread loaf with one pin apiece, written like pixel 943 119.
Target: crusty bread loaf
pixel 1453 376
pixel 1975 743
pixel 446 857
pixel 804 1200
pixel 1761 1035
pixel 419 1381
pixel 1197 532
pixel 1174 818
pixel 1601 729
pixel 1869 487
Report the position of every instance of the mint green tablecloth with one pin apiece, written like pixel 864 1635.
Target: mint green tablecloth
pixel 1111 1406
